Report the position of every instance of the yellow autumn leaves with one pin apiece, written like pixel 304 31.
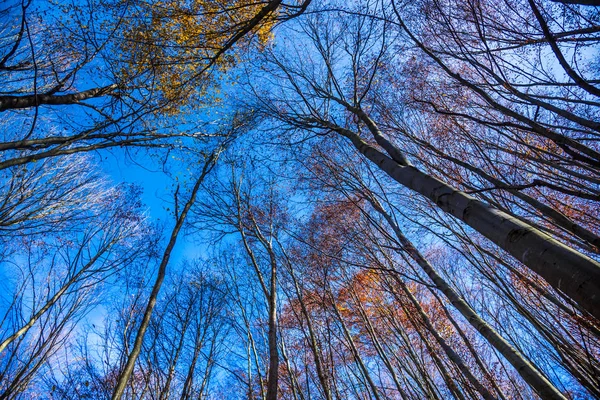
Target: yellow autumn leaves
pixel 170 44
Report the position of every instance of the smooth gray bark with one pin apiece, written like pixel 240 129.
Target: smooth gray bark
pixel 565 269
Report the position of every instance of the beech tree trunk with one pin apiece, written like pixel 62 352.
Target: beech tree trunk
pixel 273 377
pixel 565 269
pixel 527 371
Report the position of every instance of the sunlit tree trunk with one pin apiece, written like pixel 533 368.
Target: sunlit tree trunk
pixel 565 269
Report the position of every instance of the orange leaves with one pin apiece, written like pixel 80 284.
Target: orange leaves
pixel 171 44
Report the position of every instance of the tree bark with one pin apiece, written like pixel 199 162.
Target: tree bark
pixel 34 100
pixel 566 270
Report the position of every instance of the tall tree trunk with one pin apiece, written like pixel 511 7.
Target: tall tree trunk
pixel 273 377
pixel 452 355
pixel 124 376
pixel 312 338
pixel 527 371
pixel 354 350
pixel 565 269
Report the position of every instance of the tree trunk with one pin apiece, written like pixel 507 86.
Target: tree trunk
pixel 573 273
pixel 124 376
pixel 529 374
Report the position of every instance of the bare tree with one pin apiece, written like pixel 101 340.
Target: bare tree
pixel 55 280
pixel 321 100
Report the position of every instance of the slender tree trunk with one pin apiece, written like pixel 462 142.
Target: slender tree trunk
pixel 416 370
pixel 312 338
pixel 296 391
pixel 527 371
pixel 450 382
pixel 354 350
pixel 273 377
pixel 380 351
pixel 189 379
pixel 452 355
pixel 469 345
pixel 124 376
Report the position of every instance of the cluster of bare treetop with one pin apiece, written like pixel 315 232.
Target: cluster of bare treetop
pixel 392 199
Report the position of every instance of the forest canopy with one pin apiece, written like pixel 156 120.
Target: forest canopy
pixel 267 199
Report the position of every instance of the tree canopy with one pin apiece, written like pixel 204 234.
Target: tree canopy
pixel 378 199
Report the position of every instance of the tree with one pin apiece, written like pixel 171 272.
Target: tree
pixel 254 212
pixel 107 74
pixel 380 199
pixel 55 278
pixel 320 100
